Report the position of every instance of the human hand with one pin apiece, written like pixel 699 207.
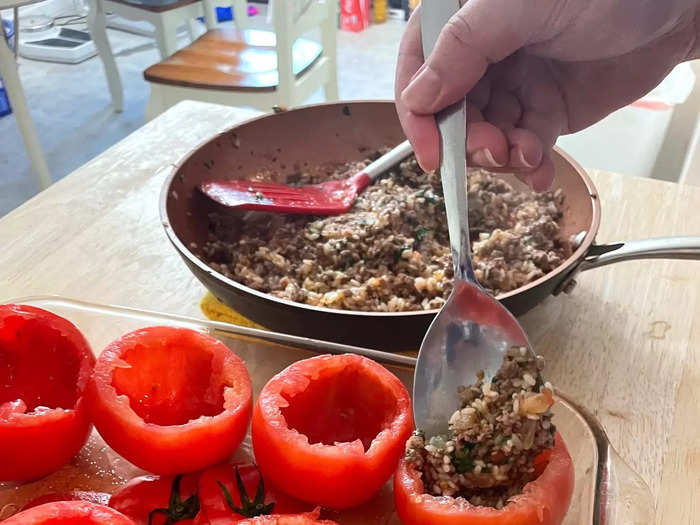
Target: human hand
pixel 532 71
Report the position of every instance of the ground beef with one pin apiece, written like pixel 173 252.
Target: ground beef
pixel 501 426
pixel 391 252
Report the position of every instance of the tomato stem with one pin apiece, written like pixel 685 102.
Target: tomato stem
pixel 249 509
pixel 177 509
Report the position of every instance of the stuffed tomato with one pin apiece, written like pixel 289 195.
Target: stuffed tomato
pixel 543 501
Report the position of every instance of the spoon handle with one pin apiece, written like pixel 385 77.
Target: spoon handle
pixel 452 124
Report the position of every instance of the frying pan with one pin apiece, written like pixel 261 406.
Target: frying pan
pixel 286 142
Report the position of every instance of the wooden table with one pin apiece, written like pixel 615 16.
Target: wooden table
pixel 626 342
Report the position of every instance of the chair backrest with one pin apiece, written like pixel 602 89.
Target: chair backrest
pixel 240 12
pixel 294 18
pixel 291 20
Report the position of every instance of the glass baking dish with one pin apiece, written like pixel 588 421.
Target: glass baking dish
pixel 607 491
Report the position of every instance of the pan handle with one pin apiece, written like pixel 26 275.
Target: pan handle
pixel 660 248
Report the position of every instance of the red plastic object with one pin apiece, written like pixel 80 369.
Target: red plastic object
pixel 328 198
pixel 354 15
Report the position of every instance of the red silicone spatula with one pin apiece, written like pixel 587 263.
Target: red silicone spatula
pixel 327 198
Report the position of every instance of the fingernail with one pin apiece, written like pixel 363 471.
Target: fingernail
pixel 422 91
pixel 485 159
pixel 519 156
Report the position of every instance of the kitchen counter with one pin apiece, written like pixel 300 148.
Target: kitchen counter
pixel 625 342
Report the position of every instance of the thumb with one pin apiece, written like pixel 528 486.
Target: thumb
pixel 482 32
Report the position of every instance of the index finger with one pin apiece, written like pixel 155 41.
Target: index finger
pixel 421 130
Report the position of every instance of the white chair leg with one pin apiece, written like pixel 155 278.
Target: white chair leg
pixel 240 13
pixel 97 25
pixel 330 88
pixel 155 104
pixel 10 78
pixel 166 36
pixel 194 28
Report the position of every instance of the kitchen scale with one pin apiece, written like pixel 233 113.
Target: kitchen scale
pixel 39 39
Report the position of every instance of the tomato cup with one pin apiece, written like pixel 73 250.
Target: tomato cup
pixel 69 513
pixel 170 400
pixel 330 430
pixel 45 363
pixel 544 501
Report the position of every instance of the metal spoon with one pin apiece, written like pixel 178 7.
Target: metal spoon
pixel 473 331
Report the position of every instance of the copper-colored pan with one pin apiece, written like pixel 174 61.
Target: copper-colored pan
pixel 287 141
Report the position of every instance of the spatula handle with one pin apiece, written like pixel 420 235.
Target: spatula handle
pixel 388 160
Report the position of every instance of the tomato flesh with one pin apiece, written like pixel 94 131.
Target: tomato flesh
pixel 170 400
pixel 44 366
pixel 544 501
pixel 172 395
pixel 69 513
pixel 330 430
pixel 307 518
pixel 325 413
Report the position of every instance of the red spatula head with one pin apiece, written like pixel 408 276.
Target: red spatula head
pixel 328 198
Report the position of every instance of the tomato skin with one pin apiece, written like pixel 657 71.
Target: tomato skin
pixel 44 362
pixel 141 495
pixel 213 502
pixel 354 412
pixel 181 403
pixel 69 513
pixel 544 501
pixel 100 498
pixel 307 518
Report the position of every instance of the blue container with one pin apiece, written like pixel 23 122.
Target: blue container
pixel 5 108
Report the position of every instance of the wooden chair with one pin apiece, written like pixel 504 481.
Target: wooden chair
pixel 253 68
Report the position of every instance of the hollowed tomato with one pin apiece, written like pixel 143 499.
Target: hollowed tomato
pixel 330 430
pixel 45 363
pixel 170 400
pixel 69 513
pixel 544 501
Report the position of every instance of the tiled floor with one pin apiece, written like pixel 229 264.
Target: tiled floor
pixel 71 108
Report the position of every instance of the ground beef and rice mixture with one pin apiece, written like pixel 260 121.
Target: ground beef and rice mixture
pixel 500 427
pixel 391 251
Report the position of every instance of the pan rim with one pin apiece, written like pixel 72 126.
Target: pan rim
pixel 566 267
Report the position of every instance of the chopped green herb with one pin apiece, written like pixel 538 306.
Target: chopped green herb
pixel 421 233
pixel 398 253
pixel 462 458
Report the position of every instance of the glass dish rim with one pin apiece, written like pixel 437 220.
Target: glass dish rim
pixel 604 452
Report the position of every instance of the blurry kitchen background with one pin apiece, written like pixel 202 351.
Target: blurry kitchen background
pixel 70 103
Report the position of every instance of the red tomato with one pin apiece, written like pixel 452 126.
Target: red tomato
pixel 45 363
pixel 170 400
pixel 307 518
pixel 101 498
pixel 69 513
pixel 330 430
pixel 155 500
pixel 544 501
pixel 229 493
